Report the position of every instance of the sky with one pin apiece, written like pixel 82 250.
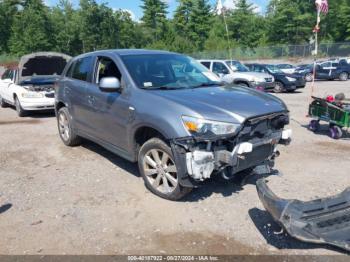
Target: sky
pixel 134 5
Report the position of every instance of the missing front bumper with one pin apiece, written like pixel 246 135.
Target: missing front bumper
pixel 325 220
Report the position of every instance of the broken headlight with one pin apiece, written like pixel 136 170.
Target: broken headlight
pixel 199 126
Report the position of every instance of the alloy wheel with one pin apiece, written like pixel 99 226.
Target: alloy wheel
pixel 63 126
pixel 160 171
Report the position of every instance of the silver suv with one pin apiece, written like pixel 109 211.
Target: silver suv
pixel 232 71
pixel 170 114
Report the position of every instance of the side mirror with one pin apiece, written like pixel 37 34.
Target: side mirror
pixel 110 84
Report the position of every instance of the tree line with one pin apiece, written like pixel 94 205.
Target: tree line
pixel 29 25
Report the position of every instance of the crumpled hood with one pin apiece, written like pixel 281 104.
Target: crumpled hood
pixel 228 103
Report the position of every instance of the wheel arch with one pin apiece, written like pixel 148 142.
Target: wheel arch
pixel 146 132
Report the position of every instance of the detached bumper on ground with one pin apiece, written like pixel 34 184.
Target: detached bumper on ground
pixel 325 220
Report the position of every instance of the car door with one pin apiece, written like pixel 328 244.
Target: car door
pixel 109 112
pixel 221 70
pixel 7 85
pixel 76 82
pixel 323 70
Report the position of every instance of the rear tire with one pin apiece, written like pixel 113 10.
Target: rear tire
pixel 309 77
pixel 158 169
pixel 343 76
pixel 279 87
pixel 20 111
pixel 66 132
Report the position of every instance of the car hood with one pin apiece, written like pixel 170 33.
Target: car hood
pixel 228 103
pixel 41 64
pixel 257 74
pixel 295 75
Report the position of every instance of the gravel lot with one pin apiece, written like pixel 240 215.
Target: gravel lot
pixel 85 200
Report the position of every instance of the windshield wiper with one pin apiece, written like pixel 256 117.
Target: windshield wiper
pixel 161 88
pixel 209 84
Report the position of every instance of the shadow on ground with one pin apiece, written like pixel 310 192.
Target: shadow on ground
pixel 4 208
pixel 208 187
pixel 324 131
pixel 225 188
pixel 113 158
pixel 279 238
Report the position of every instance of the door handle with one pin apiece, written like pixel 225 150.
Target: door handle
pixel 91 99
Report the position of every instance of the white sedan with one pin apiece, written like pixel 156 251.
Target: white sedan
pixel 31 86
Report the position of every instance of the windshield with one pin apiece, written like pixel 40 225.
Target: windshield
pixel 240 67
pixel 274 69
pixel 168 71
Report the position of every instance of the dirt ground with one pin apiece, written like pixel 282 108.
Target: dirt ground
pixel 85 200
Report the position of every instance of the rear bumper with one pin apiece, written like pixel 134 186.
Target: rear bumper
pixel 325 220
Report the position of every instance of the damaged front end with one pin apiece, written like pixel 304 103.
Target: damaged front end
pixel 254 144
pixel 324 220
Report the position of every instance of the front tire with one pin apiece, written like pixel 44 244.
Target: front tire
pixel 3 104
pixel 158 169
pixel 279 87
pixel 343 76
pixel 66 132
pixel 20 111
pixel 309 77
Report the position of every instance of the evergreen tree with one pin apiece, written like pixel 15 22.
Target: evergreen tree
pixel 200 21
pixel 154 17
pixel 290 22
pixel 65 21
pixel 182 17
pixel 8 11
pixel 31 30
pixel 245 26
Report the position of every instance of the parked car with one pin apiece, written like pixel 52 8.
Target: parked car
pixel 306 70
pixel 170 114
pixel 235 72
pixel 283 82
pixel 286 68
pixel 30 87
pixel 333 69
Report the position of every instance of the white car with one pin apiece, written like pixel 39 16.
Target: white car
pixel 30 87
pixel 234 72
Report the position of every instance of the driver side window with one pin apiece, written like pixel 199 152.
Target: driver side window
pixel 220 68
pixel 107 68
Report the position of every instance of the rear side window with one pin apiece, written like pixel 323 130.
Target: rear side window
pixel 206 64
pixel 82 68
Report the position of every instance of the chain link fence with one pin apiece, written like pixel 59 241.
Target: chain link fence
pixel 278 52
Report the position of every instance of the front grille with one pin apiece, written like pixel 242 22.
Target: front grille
pixel 260 127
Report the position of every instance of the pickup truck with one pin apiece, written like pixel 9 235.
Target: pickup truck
pixel 171 115
pixel 234 72
pixel 30 86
